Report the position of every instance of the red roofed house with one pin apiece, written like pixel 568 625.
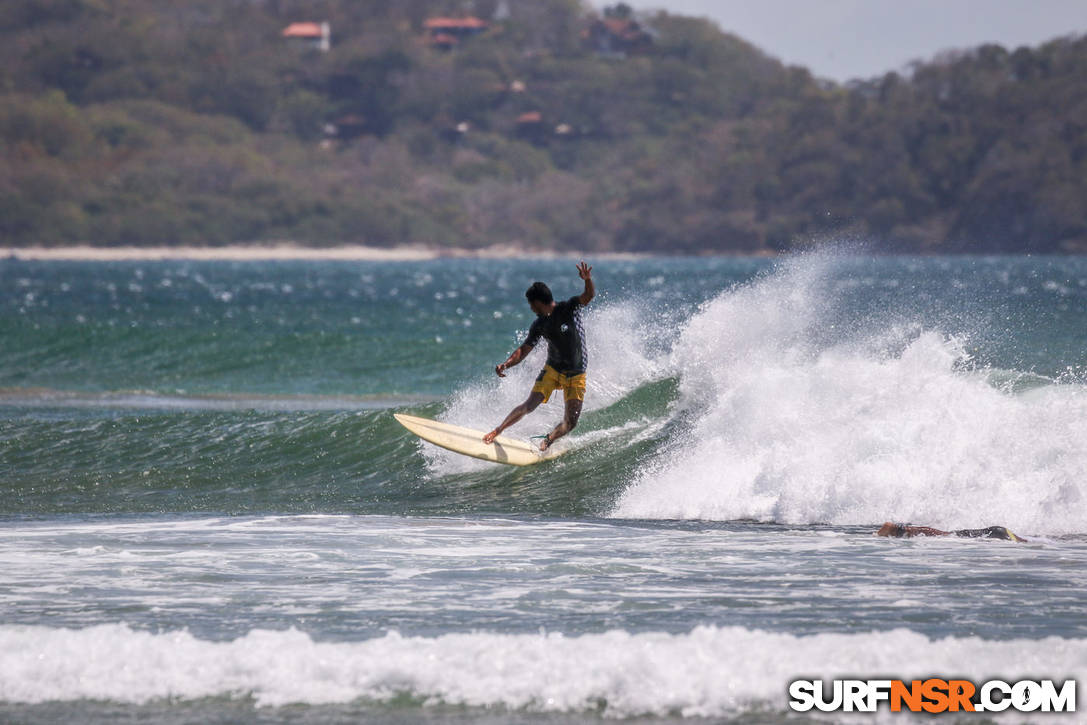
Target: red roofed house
pixel 530 126
pixel 618 36
pixel 315 35
pixel 447 33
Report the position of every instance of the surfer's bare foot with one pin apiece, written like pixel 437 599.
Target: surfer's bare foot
pixel 489 438
pixel 545 443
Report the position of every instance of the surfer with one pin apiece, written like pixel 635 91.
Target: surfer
pixel 907 531
pixel 560 324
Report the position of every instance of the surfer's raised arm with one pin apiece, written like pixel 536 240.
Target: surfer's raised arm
pixel 515 357
pixel 586 273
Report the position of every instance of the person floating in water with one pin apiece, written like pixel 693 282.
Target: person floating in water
pixel 560 324
pixel 907 531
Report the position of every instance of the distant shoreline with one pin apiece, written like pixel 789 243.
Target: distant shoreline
pixel 287 252
pixel 228 253
pixel 408 253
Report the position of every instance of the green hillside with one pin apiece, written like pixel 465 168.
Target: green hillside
pixel 537 125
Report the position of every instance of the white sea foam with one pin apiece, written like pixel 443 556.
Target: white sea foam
pixel 708 671
pixel 795 421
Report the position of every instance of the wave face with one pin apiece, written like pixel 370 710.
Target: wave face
pixel 709 671
pixel 800 409
pixel 817 389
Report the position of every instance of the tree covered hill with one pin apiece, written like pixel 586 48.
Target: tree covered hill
pixel 532 123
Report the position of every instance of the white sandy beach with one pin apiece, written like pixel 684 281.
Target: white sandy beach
pixel 258 252
pixel 88 253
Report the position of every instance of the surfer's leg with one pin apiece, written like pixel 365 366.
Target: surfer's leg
pixel 569 422
pixel 533 402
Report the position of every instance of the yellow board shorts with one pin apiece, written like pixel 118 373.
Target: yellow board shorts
pixel 550 380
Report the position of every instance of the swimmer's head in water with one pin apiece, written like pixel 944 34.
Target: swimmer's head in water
pixel 891 529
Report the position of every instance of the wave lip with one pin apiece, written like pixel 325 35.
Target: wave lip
pixel 709 671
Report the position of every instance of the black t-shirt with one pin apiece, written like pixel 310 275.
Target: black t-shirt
pixel 565 337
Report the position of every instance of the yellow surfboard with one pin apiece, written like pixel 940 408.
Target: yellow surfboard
pixel 469 442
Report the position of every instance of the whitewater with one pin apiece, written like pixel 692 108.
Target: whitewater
pixel 209 513
pixel 796 412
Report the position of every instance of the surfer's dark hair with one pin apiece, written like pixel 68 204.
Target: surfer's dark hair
pixel 539 292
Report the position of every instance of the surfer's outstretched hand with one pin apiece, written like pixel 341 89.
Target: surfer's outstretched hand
pixel 584 271
pixel 489 437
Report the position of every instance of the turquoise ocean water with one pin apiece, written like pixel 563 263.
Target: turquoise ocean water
pixel 209 513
